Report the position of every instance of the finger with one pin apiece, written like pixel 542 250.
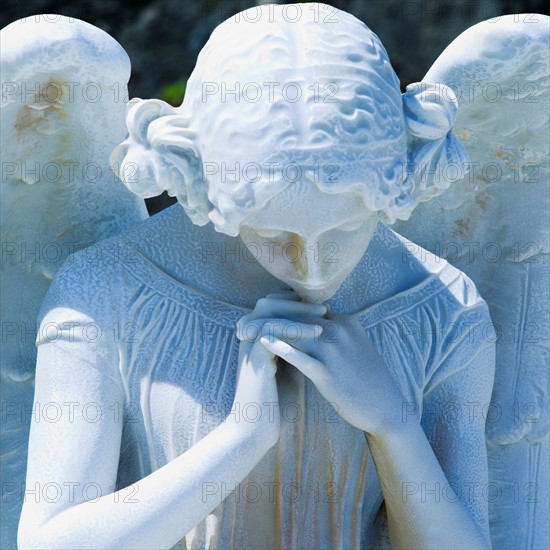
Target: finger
pixel 308 366
pixel 288 295
pixel 267 307
pixel 290 331
pixel 278 328
pixel 304 337
pixel 263 359
pixel 248 328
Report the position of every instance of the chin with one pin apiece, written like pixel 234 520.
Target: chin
pixel 315 295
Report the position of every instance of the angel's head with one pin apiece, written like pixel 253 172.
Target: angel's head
pixel 293 134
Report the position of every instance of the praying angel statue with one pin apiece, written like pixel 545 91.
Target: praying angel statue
pixel 338 336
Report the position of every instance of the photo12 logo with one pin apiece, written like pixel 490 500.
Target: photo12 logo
pixel 289 13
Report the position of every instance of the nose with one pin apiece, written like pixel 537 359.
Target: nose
pixel 307 259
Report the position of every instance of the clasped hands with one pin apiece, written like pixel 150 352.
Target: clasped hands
pixel 332 350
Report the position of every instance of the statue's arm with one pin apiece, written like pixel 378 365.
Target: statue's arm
pixel 73 456
pixel 434 475
pixel 410 459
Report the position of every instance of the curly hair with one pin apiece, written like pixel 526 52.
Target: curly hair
pixel 271 100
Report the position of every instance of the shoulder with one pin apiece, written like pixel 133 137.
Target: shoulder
pixel 418 284
pixel 101 269
pixel 462 335
pixel 454 293
pixel 83 288
pixel 442 316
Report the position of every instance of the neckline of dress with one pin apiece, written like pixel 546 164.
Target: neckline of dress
pixel 212 307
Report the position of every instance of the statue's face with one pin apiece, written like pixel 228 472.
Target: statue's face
pixel 308 239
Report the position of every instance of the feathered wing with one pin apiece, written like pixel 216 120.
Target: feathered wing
pixel 493 224
pixel 62 112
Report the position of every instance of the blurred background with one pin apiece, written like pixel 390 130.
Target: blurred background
pixel 163 37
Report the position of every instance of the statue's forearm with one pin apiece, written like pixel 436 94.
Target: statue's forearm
pixel 404 458
pixel 158 510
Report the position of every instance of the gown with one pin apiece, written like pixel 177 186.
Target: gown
pixel 167 352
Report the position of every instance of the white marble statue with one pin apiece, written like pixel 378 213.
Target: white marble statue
pixel 295 374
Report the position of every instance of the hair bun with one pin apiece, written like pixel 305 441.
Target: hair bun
pixel 139 115
pixel 430 110
pixel 430 113
pixel 160 155
pixel 134 159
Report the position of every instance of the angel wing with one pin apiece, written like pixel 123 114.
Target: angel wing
pixel 62 112
pixel 492 223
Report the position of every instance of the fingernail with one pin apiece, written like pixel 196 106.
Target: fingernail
pixel 271 344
